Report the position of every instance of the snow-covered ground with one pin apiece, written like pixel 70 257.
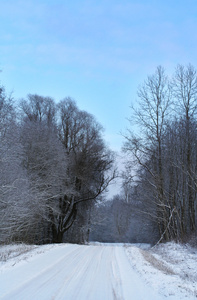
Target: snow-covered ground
pixel 170 269
pixel 98 271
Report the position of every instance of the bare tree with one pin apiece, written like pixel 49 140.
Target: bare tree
pixel 184 86
pixel 90 162
pixel 147 148
pixel 39 109
pixel 67 163
pixel 46 163
pixel 165 152
pixel 15 220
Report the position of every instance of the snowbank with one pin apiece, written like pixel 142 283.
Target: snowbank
pixel 170 269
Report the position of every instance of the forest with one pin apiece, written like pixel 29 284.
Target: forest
pixel 55 167
pixel 54 164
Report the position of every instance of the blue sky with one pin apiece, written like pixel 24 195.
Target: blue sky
pixel 96 52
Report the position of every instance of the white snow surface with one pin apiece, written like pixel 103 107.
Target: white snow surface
pixel 98 272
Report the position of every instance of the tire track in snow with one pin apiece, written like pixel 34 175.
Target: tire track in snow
pixel 116 277
pixel 78 273
pixel 85 276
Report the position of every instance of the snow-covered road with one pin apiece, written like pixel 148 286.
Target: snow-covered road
pixel 72 272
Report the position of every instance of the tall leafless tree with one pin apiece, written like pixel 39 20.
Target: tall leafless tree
pixel 185 94
pixel 151 114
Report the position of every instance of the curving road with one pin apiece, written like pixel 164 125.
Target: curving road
pixel 74 272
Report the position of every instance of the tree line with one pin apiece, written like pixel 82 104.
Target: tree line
pixel 162 154
pixel 54 166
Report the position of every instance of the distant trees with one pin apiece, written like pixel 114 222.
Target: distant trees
pixel 121 221
pixel 54 160
pixel 165 150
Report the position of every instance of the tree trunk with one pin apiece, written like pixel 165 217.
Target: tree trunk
pixel 57 237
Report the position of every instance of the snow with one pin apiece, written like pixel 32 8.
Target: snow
pixel 14 250
pixel 170 269
pixel 98 271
